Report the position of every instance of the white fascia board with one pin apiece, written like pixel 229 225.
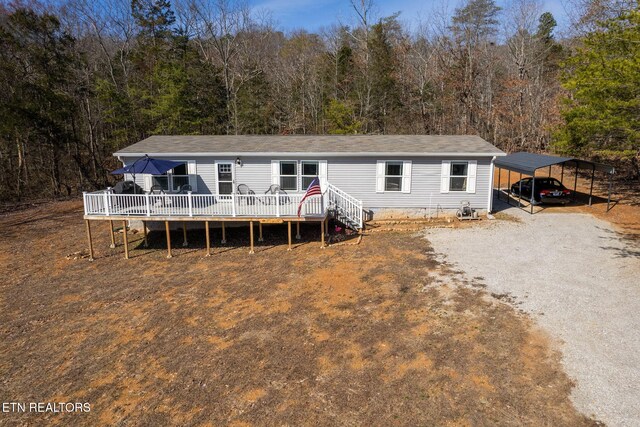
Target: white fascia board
pixel 316 154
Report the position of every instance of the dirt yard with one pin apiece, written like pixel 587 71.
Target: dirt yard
pixel 374 334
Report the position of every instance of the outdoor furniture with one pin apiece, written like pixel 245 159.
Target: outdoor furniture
pixel 127 187
pixel 275 189
pixel 156 189
pixel 245 190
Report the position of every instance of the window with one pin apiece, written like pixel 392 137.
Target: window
pixel 393 176
pixel 310 170
pixel 458 176
pixel 289 175
pixel 173 179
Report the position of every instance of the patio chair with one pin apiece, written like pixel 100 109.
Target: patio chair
pixel 244 190
pixel 156 189
pixel 275 189
pixel 126 187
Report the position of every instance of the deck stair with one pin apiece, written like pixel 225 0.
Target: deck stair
pixel 344 207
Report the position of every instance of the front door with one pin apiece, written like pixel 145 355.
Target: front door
pixel 225 177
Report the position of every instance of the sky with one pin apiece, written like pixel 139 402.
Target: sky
pixel 312 15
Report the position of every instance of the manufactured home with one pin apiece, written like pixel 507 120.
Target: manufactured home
pixel 263 177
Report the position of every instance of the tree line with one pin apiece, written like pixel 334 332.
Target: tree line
pixel 82 79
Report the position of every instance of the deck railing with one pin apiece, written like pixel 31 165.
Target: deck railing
pixel 347 207
pixel 106 203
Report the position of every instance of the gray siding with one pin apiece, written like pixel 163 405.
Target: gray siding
pixel 357 176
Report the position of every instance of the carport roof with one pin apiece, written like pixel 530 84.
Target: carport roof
pixel 528 163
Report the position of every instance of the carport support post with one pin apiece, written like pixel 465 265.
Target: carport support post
pixel 509 187
pixel 298 237
pixel 575 182
pixel 260 239
pixel 184 234
pixel 113 239
pixel 562 174
pixel 609 193
pixel 166 227
pixel 125 239
pixel 289 234
pixel 224 234
pixel 533 190
pixel 520 191
pixel 499 190
pixel 206 233
pixel 88 224
pixel 251 235
pixel 144 231
pixel 593 174
pixel 549 171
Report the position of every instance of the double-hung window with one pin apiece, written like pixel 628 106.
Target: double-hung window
pixel 310 171
pixel 296 175
pixel 393 176
pixel 289 175
pixel 458 176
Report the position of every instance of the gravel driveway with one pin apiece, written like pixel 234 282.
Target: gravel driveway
pixel 581 282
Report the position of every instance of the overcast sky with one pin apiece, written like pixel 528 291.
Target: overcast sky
pixel 315 14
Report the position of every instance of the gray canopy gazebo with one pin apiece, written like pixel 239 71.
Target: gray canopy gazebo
pixel 529 163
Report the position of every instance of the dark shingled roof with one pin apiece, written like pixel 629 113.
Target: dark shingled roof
pixel 418 145
pixel 528 163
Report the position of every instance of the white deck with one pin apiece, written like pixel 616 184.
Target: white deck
pixel 105 204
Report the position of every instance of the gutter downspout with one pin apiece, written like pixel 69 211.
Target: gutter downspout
pixel 490 198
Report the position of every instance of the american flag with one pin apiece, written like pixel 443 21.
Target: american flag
pixel 313 190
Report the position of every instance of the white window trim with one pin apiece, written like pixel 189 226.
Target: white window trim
pixel 302 175
pixel 297 174
pixel 405 176
pixel 466 176
pixel 322 173
pixel 217 178
pixel 445 176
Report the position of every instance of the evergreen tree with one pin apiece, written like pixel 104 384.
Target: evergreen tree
pixel 603 77
pixel 341 119
pixel 385 99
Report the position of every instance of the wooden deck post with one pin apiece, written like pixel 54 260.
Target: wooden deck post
pixel 298 237
pixel 89 239
pixel 113 238
pixel 125 239
pixel 144 231
pixel 322 234
pixel 166 226
pixel 184 235
pixel 224 235
pixel 260 239
pixel 206 230
pixel 289 234
pixel 251 235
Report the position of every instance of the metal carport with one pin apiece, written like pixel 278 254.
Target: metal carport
pixel 529 163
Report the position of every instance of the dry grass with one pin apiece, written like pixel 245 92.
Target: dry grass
pixel 374 334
